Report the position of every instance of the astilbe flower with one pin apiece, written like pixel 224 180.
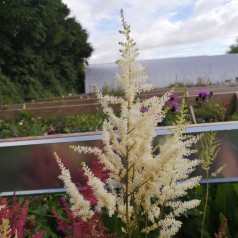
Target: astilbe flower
pixel 150 185
pixel 73 227
pixel 87 192
pixel 5 229
pixel 39 234
pixel 99 172
pixel 14 215
pixel 210 147
pixel 80 206
pixel 222 231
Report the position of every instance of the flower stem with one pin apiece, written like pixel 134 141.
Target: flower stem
pixel 127 203
pixel 128 228
pixel 205 207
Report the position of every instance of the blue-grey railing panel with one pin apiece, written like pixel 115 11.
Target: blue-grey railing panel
pixel 28 166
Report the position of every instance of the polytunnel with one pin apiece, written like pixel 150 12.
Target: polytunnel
pixel 165 72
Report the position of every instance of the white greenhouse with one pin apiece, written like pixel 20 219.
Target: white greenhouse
pixel 164 72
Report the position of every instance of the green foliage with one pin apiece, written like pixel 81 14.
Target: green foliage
pixel 209 148
pixel 210 113
pixel 106 90
pixel 74 124
pixel 170 117
pixel 40 214
pixel 25 125
pixel 233 49
pixel 8 92
pixel 43 50
pixel 234 117
pixel 174 111
pixel 177 85
pixel 222 202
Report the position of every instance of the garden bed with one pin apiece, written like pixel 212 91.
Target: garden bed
pixel 33 120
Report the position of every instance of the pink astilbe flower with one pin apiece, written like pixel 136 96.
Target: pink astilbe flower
pixel 72 227
pixel 87 192
pixel 16 216
pixel 16 213
pixel 18 219
pixel 98 170
pixel 75 227
pixel 39 234
pixel 3 204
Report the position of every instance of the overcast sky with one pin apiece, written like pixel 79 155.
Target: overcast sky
pixel 161 28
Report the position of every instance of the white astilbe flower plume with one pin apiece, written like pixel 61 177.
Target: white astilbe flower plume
pixel 149 186
pixel 104 198
pixel 5 228
pixel 80 207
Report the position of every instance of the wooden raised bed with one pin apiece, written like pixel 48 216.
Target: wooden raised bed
pixel 84 104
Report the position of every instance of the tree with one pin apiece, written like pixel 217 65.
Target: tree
pixel 43 51
pixel 233 49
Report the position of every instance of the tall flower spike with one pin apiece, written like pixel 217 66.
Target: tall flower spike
pixel 105 198
pixel 5 229
pixel 80 206
pixel 148 186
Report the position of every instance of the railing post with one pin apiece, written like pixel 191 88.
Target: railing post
pixel 1 104
pixel 236 102
pixel 192 114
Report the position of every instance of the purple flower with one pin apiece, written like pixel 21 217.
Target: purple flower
pixel 173 97
pixel 204 93
pixel 144 109
pixel 174 106
pixel 62 201
pixel 51 131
